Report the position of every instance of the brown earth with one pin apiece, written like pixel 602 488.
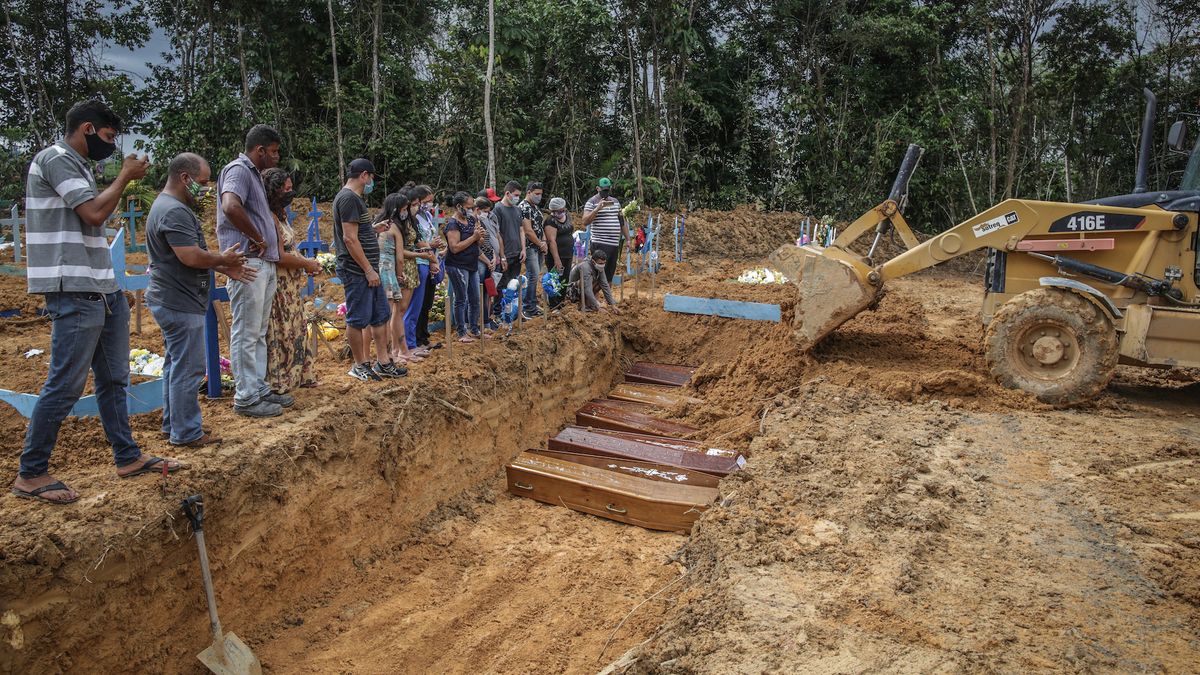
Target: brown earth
pixel 900 511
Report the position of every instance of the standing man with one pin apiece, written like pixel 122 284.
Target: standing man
pixel 512 237
pixel 244 221
pixel 178 293
pixel 603 213
pixel 535 246
pixel 70 264
pixel 357 246
pixel 560 239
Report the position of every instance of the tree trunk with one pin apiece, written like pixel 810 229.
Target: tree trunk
pixel 245 79
pixel 337 94
pixel 12 40
pixel 992 133
pixel 633 118
pixel 490 180
pixel 68 49
pixel 377 85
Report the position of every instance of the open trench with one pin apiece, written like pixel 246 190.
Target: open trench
pixel 370 533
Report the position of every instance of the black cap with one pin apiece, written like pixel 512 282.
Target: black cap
pixel 360 165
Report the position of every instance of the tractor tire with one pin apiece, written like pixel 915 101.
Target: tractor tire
pixel 1053 344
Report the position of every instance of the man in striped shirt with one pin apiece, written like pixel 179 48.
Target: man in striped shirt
pixel 602 213
pixel 70 264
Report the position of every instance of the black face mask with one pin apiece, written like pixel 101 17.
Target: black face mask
pixel 287 197
pixel 99 149
pixel 604 194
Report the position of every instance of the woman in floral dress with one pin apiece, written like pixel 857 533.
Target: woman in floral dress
pixel 289 351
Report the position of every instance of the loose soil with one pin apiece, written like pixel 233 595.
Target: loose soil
pixel 900 511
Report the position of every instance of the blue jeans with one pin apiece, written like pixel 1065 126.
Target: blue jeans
pixel 533 274
pixel 366 305
pixel 183 371
pixel 90 331
pixel 414 307
pixel 464 284
pixel 250 304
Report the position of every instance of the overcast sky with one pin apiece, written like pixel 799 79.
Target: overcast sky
pixel 132 62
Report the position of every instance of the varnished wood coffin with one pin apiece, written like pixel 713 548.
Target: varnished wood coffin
pixel 644 372
pixel 655 505
pixel 623 416
pixel 633 467
pixel 653 394
pixel 676 452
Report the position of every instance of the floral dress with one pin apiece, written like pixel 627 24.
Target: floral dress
pixel 411 275
pixel 289 351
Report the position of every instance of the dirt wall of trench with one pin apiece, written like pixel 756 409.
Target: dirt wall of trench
pixel 291 512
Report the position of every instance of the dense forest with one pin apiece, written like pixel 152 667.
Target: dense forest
pixel 791 104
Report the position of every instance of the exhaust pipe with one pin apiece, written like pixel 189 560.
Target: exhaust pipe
pixel 1143 164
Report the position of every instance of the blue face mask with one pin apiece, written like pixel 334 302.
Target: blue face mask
pixel 368 188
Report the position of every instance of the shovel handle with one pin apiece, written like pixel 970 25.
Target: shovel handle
pixel 193 508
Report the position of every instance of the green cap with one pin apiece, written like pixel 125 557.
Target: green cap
pixel 604 183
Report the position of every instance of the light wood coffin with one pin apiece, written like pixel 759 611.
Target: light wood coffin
pixel 633 467
pixel 654 505
pixel 653 394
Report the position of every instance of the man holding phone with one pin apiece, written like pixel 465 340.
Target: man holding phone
pixel 603 214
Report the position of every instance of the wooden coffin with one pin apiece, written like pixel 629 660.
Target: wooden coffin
pixel 644 372
pixel 632 406
pixel 653 394
pixel 683 454
pixel 633 467
pixel 654 505
pixel 618 416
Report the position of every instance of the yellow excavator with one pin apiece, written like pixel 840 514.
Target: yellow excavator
pixel 1070 290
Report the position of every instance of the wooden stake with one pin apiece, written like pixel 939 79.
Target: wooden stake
pixel 137 309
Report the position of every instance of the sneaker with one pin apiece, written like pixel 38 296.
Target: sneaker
pixel 284 400
pixel 388 370
pixel 363 372
pixel 492 325
pixel 263 408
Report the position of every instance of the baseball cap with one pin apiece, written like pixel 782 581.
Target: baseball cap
pixel 558 203
pixel 491 194
pixel 604 183
pixel 360 165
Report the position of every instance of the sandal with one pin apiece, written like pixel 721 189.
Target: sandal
pixel 148 467
pixel 37 493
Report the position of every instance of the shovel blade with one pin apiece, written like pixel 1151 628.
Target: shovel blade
pixel 230 656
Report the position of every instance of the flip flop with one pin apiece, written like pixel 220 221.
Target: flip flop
pixel 148 467
pixel 37 493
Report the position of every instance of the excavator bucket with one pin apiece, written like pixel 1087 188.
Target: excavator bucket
pixel 833 287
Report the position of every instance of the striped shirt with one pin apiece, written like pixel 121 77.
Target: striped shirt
pixel 606 226
pixel 65 254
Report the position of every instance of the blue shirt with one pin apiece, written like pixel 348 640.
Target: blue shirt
pixel 241 178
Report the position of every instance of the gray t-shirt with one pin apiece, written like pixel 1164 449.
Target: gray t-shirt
pixel 349 207
pixel 508 220
pixel 172 284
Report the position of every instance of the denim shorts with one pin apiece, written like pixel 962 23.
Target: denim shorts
pixel 365 305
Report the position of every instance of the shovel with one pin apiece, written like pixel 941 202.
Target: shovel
pixel 227 655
